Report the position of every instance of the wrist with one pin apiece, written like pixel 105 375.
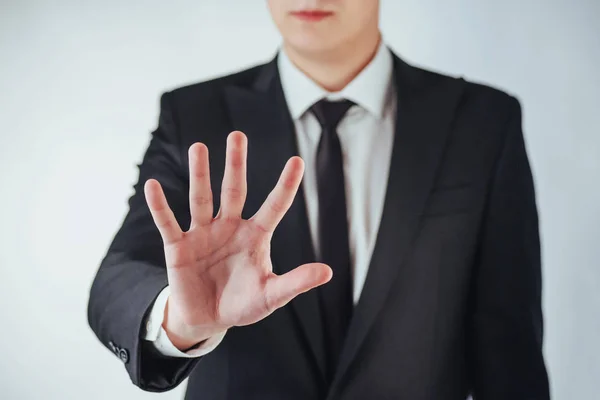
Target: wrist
pixel 185 337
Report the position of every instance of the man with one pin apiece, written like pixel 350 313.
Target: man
pixel 395 256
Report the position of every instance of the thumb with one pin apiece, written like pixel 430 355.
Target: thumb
pixel 281 289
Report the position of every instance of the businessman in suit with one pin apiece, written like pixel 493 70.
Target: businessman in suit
pixel 374 236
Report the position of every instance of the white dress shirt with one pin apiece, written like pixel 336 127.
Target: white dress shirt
pixel 366 135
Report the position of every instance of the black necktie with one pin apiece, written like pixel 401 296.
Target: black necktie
pixel 336 295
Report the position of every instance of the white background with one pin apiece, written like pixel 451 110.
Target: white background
pixel 79 87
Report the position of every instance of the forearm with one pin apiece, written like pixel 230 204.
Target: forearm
pixel 134 271
pixel 120 299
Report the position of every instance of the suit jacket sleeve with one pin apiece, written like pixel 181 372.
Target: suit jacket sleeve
pixel 133 272
pixel 506 334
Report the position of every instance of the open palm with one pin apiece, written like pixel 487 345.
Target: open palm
pixel 220 272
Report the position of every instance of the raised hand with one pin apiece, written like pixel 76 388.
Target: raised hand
pixel 220 272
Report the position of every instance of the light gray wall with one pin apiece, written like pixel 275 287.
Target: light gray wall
pixel 79 87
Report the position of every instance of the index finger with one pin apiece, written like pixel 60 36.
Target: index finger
pixel 281 197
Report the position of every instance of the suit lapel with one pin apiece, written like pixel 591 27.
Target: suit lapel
pixel 425 109
pixel 262 114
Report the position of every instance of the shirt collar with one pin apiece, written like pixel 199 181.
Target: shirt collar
pixel 369 89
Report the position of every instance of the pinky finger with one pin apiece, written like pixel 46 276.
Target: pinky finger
pixel 161 212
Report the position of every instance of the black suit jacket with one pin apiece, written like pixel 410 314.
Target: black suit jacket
pixel 452 300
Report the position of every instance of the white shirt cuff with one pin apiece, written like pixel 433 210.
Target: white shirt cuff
pixel 156 334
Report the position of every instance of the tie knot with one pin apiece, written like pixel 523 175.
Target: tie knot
pixel 330 113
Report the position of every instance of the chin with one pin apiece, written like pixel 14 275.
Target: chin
pixel 309 44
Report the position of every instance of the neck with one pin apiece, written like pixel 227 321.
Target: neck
pixel 336 69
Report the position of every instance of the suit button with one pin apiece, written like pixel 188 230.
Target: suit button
pixel 124 355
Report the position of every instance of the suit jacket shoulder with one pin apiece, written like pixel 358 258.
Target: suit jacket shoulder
pixel 210 91
pixel 476 96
